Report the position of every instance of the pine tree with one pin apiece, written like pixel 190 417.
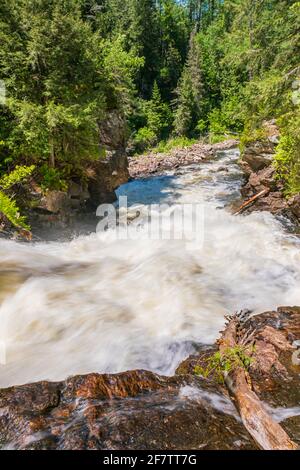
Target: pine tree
pixel 189 92
pixel 158 114
pixel 61 79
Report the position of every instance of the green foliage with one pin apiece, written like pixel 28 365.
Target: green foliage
pixel 53 179
pixel 158 117
pixel 9 208
pixel 189 93
pixel 18 175
pixel 251 135
pixel 8 205
pixel 288 152
pixel 158 114
pixel 219 365
pixel 169 68
pixel 62 79
pixel 173 143
pixel 144 139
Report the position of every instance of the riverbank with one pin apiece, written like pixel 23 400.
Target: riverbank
pixel 107 305
pixel 263 189
pixel 156 163
pixel 257 164
pixel 142 410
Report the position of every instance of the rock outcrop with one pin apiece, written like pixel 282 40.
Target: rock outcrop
pixel 109 173
pixel 142 410
pixel 133 410
pixel 257 164
pixel 103 177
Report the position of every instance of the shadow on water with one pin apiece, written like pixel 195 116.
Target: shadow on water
pixel 152 190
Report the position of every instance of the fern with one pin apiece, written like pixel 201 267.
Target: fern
pixel 19 174
pixel 8 206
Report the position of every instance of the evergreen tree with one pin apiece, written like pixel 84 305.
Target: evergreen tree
pixel 158 114
pixel 66 64
pixel 61 79
pixel 189 92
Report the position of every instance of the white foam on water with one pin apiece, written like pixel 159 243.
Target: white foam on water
pixel 99 304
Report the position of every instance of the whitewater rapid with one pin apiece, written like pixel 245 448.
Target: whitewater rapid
pixel 101 304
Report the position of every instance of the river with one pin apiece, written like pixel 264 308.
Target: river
pixel 101 304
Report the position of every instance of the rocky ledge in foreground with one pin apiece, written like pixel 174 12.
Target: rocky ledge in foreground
pixel 142 410
pixel 154 163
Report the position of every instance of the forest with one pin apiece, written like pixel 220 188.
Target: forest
pixel 177 71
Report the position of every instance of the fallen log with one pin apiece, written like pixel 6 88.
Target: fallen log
pixel 267 433
pixel 251 201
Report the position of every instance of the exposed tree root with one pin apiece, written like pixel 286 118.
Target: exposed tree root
pixel 268 434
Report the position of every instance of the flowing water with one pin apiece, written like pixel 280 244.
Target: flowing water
pixel 101 304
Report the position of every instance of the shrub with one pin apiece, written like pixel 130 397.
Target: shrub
pixel 53 179
pixel 19 174
pixel 8 205
pixel 144 139
pixel 287 156
pixel 176 142
pixel 10 210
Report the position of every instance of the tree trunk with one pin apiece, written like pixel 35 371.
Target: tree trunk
pixel 52 153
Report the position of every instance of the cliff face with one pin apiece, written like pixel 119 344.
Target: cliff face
pixel 111 172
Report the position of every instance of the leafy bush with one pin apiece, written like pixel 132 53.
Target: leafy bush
pixel 176 142
pixel 9 208
pixel 157 117
pixel 251 135
pixel 288 152
pixel 19 174
pixel 53 179
pixel 144 139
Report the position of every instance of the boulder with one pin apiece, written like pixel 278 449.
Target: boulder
pixel 55 202
pixel 260 175
pixel 259 154
pixel 257 161
pixel 142 410
pixel 108 174
pixel 132 410
pixel 294 205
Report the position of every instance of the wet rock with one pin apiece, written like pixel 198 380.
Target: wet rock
pixel 55 202
pixel 265 180
pixel 274 374
pixel 133 410
pixel 103 176
pixel 142 410
pixel 108 174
